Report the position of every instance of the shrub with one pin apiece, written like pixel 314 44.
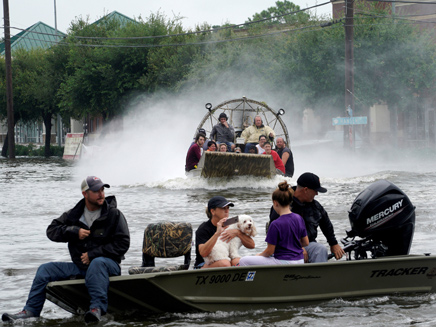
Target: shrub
pixel 32 151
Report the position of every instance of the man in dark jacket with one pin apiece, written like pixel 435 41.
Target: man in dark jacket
pixel 223 132
pixel 97 236
pixel 314 215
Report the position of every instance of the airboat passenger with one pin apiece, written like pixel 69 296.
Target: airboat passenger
pixel 202 131
pixel 208 233
pixel 252 149
pixel 286 155
pixel 286 235
pixel 237 149
pixel 223 147
pixel 223 132
pixel 314 215
pixel 251 134
pixel 211 146
pixel 194 153
pixel 260 148
pixel 278 163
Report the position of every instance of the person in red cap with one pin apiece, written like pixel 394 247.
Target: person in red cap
pixel 97 236
pixel 314 215
pixel 208 233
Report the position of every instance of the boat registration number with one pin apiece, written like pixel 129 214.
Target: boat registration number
pixel 225 278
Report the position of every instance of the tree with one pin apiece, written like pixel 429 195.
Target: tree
pixel 170 64
pixel 283 10
pixel 23 102
pixel 307 64
pixel 101 78
pixel 36 81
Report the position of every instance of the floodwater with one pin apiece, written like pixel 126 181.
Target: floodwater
pixel 35 190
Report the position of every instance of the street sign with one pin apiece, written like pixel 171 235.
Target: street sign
pixel 350 121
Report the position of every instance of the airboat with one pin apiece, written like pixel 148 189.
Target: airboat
pixel 240 113
pixel 378 263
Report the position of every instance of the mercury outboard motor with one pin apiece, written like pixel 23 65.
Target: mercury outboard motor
pixel 384 218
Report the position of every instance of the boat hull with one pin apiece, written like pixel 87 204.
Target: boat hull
pixel 246 288
pixel 229 164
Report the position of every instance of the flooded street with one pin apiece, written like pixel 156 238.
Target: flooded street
pixel 35 191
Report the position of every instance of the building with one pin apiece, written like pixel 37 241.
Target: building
pixel 41 35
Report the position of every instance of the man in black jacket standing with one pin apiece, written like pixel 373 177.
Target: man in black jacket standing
pixel 314 215
pixel 97 236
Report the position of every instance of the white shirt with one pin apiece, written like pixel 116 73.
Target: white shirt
pixel 259 149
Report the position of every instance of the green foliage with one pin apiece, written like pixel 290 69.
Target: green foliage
pixel 393 60
pixel 99 80
pixel 170 63
pixel 393 63
pixel 32 150
pixel 291 55
pixel 283 9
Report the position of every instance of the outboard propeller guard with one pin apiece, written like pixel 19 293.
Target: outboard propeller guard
pixel 384 218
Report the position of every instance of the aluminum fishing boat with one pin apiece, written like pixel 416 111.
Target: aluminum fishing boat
pixel 378 263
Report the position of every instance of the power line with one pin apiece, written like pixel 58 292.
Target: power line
pixel 316 28
pixel 404 1
pixel 217 41
pixel 403 17
pixel 187 33
pixel 178 44
pixel 322 25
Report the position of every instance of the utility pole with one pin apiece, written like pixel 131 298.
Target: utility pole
pixel 9 98
pixel 58 118
pixel 349 69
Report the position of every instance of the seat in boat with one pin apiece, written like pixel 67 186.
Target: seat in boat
pixel 165 240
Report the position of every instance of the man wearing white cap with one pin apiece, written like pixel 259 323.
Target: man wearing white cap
pixel 97 236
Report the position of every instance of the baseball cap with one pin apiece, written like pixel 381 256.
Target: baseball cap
pixel 218 202
pixel 93 183
pixel 311 181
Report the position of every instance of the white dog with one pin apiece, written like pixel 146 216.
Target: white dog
pixel 229 251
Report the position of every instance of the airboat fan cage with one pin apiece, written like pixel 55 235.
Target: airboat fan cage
pixel 241 113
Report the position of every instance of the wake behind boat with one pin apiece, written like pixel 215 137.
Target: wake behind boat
pixel 378 263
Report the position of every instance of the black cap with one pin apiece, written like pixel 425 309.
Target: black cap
pixel 311 181
pixel 222 115
pixel 93 183
pixel 218 202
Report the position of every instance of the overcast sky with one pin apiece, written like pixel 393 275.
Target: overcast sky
pixel 24 13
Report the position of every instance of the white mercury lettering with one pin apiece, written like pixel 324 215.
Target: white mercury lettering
pixel 385 212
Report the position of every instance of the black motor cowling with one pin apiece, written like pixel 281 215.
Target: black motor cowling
pixel 385 218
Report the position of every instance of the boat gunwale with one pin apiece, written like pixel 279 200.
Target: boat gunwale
pixel 409 257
